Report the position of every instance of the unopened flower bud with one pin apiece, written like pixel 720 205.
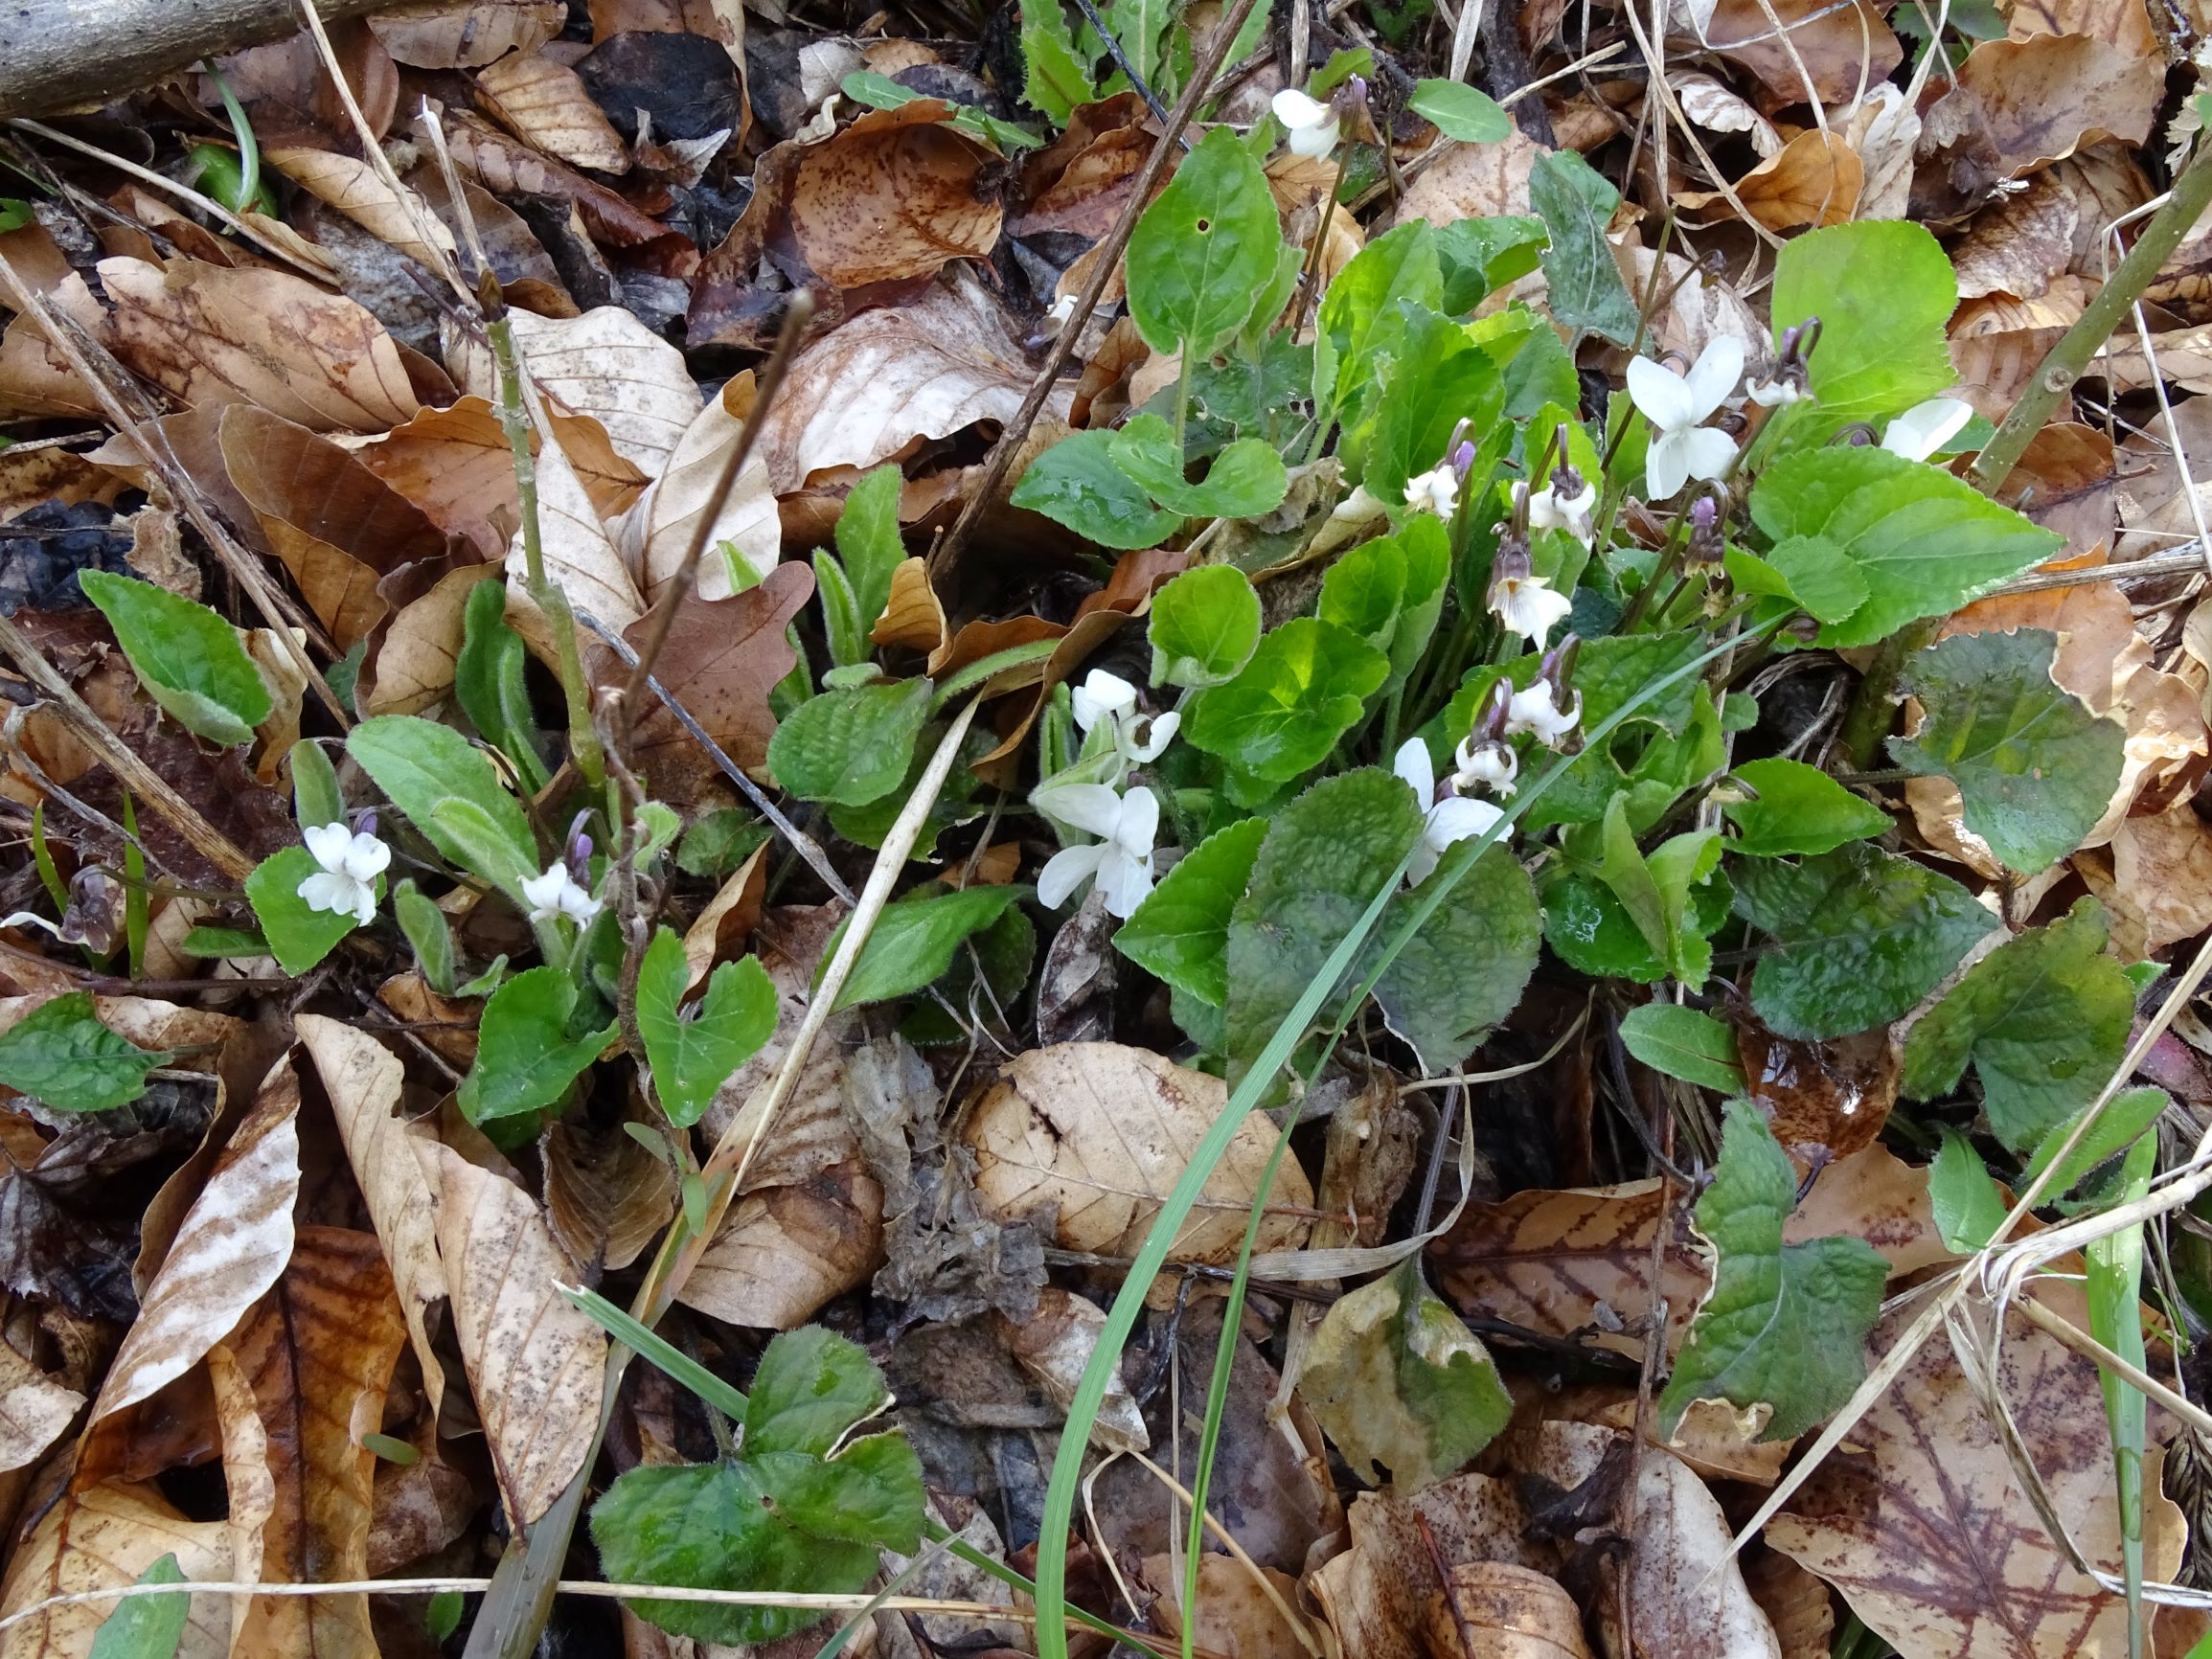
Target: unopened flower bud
pixel 1706 542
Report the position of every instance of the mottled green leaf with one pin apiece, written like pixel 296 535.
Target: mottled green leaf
pixel 1684 1043
pixel 1797 809
pixel 1576 203
pixel 60 1053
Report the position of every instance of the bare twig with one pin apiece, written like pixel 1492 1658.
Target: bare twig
pixel 1108 257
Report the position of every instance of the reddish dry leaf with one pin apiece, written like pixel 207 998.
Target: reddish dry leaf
pixel 722 658
pixel 298 1383
pixel 1825 1097
pixel 421 1506
pixel 1078 184
pixel 1497 1608
pixel 99 1538
pixel 544 104
pixel 455 464
pixel 505 168
pixel 607 1196
pixel 1923 1527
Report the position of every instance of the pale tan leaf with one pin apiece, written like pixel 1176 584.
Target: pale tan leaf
pixel 1814 179
pixel 786 1250
pixel 546 103
pixel 359 191
pixel 100 1537
pixel 1713 107
pixel 534 1363
pixel 1796 1603
pixel 658 530
pixel 465 33
pixel 33 1409
pixel 1926 1531
pixel 1501 1611
pixel 605 364
pixel 727 918
pixel 580 555
pixel 233 1243
pixel 1056 1345
pixel 1472 181
pixel 1843 47
pixel 420 1507
pixel 2155 875
pixel 1237 1618
pixel 1102 1131
pixel 213 336
pixel 412 667
pixel 871 386
pixel 363 1079
pixel 249 1482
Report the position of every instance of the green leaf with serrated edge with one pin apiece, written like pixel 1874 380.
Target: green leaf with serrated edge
pixel 1799 809
pixel 488 682
pixel 1785 1326
pixel 1458 111
pixel 1860 937
pixel 1324 856
pixel 712 1527
pixel 1575 202
pixel 2125 1118
pixel 1480 255
pixel 525 1057
pixel 315 795
pixel 187 657
pixel 1924 541
pixel 914 939
pixel 811 1390
pixel 691 1059
pixel 1684 1043
pixel 1364 317
pixel 1204 249
pixel 146 1627
pixel 1883 291
pixel 1283 711
pixel 1244 480
pixel 1588 929
pixel 428 932
pixel 1820 577
pixel 852 747
pixel 417 763
pixel 2034 768
pixel 1139 26
pixel 1399 1384
pixel 1204 626
pixel 869 544
pixel 1078 483
pixel 2043 1018
pixel 1054 79
pixel 719 841
pixel 1464 970
pixel 63 1054
pixel 1180 933
pixel 1446 378
pixel 869 1493
pixel 298 936
pixel 1968 1203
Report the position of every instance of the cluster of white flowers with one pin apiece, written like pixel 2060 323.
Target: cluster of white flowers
pixel 1126 821
pixel 351 860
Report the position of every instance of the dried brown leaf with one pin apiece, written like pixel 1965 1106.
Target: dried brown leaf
pixel 545 103
pixel 359 191
pixel 455 464
pixel 1236 1618
pixel 508 168
pixel 1814 179
pixel 2155 875
pixel 411 666
pixel 605 364
pixel 1054 1347
pixel 2023 104
pixel 100 1537
pixel 420 1507
pixel 657 532
pixel 1844 49
pixel 607 1197
pixel 34 1409
pixel 1472 181
pixel 440 34
pixel 1501 1611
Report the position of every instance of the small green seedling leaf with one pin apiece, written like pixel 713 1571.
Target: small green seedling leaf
pixel 869 545
pixel 219 941
pixel 442 1614
pixel 2125 1120
pixel 1400 1384
pixel 298 936
pixel 1480 255
pixel 1181 930
pixel 317 798
pixel 429 933
pixel 1793 809
pixel 1684 1043
pixel 187 657
pixel 914 939
pixel 1204 626
pixel 2044 1020
pixel 2034 768
pixel 1055 80
pixel 692 1057
pixel 146 1627
pixel 1860 937
pixel 880 92
pixel 525 1056
pixel 488 683
pixel 1458 111
pixel 1969 1205
pixel 1204 249
pixel 850 747
pixel 63 1054
pixel 1785 1326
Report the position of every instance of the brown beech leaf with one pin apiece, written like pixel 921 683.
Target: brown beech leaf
pixel 230 1249
pixel 2126 27
pixel 728 918
pixel 295 1384
pixel 1055 1344
pixel 97 1538
pixel 410 664
pixel 869 388
pixel 1236 1616
pixel 1814 179
pixel 534 1363
pixel 438 34
pixel 658 530
pixel 1102 1131
pixel 1844 49
pixel 722 658
pixel 545 103
pixel 363 1079
pixel 35 379
pixel 1549 1259
pixel 1923 1527
pixel 1474 181
pixel 359 191
pixel 336 526
pixel 2021 104
pixel 212 336
pixel 611 367
pixel 1796 1603
pixel 1081 181
pixel 420 1507
pixel 1829 1096
pixel 862 217
pixel 607 1197
pixel 2155 875
pixel 455 464
pixel 33 1409
pixel 1506 1609
pixel 506 167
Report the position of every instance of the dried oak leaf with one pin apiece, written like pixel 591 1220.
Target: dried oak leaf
pixel 210 336
pixel 722 658
pixel 544 104
pixel 295 1384
pixel 862 217
pixel 100 1537
pixel 1923 1527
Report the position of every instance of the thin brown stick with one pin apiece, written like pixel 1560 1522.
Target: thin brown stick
pixel 212 844
pixel 796 316
pixel 1109 255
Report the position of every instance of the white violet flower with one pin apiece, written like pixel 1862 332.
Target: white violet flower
pixel 1537 711
pixel 1778 392
pixel 1121 860
pixel 556 894
pixel 1104 696
pixel 1443 822
pixel 1063 309
pixel 1926 427
pixel 1674 404
pixel 1547 512
pixel 1311 125
pixel 1528 606
pixel 346 884
pixel 1493 766
pixel 1436 490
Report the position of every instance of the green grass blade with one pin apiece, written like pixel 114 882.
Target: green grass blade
pixel 649 1344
